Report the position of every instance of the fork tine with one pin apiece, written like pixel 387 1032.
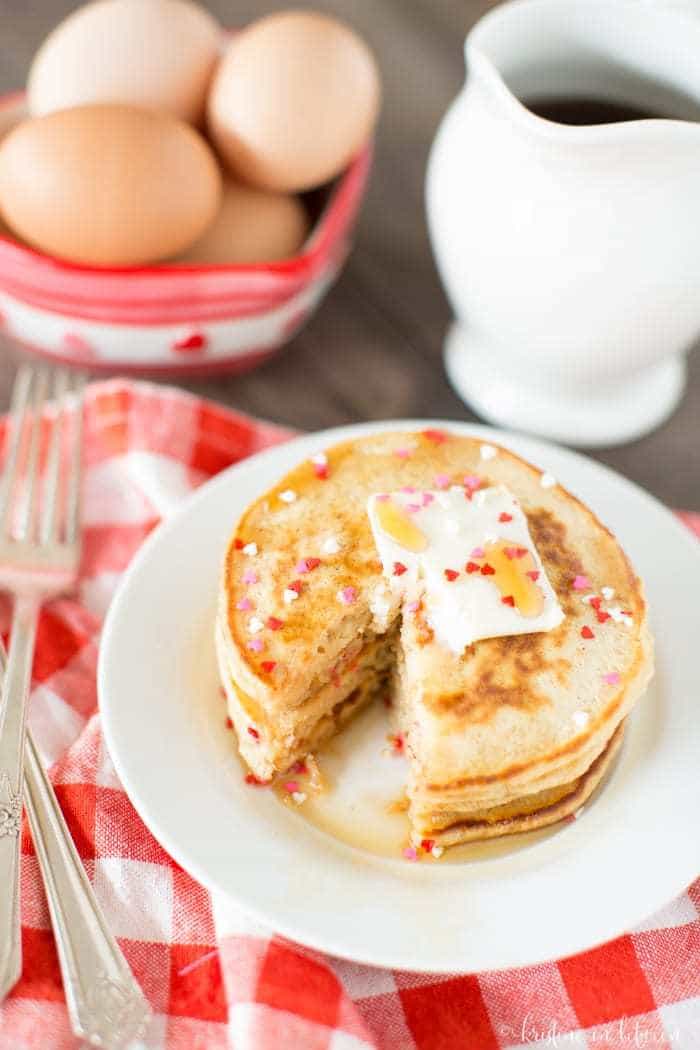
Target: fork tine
pixel 51 496
pixel 73 497
pixel 18 415
pixel 28 516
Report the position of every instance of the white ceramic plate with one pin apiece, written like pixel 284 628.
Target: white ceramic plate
pixel 633 849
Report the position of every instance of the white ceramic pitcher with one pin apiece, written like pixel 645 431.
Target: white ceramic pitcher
pixel 571 255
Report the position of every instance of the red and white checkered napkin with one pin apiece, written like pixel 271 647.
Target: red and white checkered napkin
pixel 214 978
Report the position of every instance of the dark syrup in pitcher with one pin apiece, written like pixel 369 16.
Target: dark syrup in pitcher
pixel 584 111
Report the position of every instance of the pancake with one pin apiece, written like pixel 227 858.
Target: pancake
pixel 307 621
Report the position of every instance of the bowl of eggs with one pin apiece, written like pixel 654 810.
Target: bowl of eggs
pixel 175 198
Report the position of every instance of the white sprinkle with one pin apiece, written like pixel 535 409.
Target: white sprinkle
pixel 581 718
pixel 548 481
pixel 488 452
pixel 250 549
pixel 588 598
pixel 330 545
pixel 437 851
pixel 320 459
pixel 627 620
pixel 451 526
pixel 255 625
pixel 288 496
pixel 479 497
pixel 607 593
pixel 299 797
pixel 289 595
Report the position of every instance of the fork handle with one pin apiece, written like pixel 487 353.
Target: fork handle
pixel 13 713
pixel 105 1004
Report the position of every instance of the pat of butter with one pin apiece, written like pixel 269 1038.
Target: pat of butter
pixel 471 561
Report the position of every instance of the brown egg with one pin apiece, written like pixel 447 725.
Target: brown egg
pixel 251 226
pixel 155 53
pixel 295 96
pixel 108 185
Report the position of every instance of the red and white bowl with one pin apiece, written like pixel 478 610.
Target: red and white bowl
pixel 172 320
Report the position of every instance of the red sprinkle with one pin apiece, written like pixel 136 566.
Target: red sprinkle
pixel 312 563
pixel 602 616
pixel 229 723
pixel 472 567
pixel 254 733
pixel 533 575
pixel 437 436
pixel 586 632
pixel 399 568
pixel 509 600
pixel 505 517
pixel 427 845
pixel 595 603
pixel 451 575
pixel 397 742
pixel 295 585
pixel 268 666
pixel 250 778
pixel 321 470
pixel 238 544
pixel 300 768
pixel 487 570
pixel 273 623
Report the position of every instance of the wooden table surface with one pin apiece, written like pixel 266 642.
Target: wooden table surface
pixel 374 349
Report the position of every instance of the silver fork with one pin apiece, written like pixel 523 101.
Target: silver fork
pixel 39 556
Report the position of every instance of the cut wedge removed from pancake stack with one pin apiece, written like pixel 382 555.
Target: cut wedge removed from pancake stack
pixel 511 734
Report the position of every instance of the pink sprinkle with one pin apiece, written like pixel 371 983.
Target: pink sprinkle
pixel 383 497
pixel 256 645
pixel 410 853
pixel 302 567
pixel 581 583
pixel 441 481
pixel 612 679
pixel 413 607
pixel 291 786
pixel 478 552
pixel 402 453
pixel 427 498
pixel 243 604
pixel 408 489
pixel 349 595
pixel 413 507
pixel 472 482
pixel 250 577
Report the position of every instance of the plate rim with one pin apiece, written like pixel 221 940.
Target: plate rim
pixel 276 924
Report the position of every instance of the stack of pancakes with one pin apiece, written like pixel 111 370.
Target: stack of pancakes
pixel 513 733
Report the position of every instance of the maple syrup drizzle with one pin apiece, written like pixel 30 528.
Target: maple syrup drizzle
pixel 398 526
pixel 512 564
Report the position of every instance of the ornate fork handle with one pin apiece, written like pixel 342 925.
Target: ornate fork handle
pixel 105 1003
pixel 15 687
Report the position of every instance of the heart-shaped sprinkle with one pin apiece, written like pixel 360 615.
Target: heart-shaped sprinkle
pixel 505 517
pixel 451 575
pixel 347 595
pixel 487 570
pixel 256 645
pixel 427 845
pixel 193 342
pixel 595 602
pixel 509 600
pixel 238 543
pixel 478 552
pixel 586 632
pixel 581 583
pixel 533 575
pixel 244 604
pixel 472 567
pixel 436 436
pixel 472 482
pixel 297 586
pixel 441 481
pixel 399 568
pixel 612 678
pixel 229 723
pixel 268 666
pixel 602 616
pixel 274 624
pixel 253 732
pixel 410 853
pixel 250 778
